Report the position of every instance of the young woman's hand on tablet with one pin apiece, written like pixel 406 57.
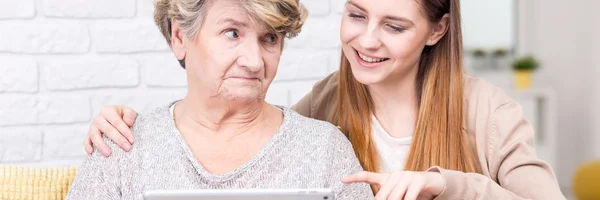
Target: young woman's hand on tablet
pixel 114 121
pixel 403 185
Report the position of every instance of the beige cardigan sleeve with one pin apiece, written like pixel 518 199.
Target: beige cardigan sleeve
pixel 512 160
pixel 303 106
pixel 321 101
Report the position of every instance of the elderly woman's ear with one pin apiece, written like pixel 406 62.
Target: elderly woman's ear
pixel 177 45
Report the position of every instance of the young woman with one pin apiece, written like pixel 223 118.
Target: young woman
pixel 419 126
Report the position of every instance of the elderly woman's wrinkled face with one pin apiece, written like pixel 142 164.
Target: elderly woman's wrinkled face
pixel 233 57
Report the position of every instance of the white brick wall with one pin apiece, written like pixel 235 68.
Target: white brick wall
pixel 62 60
pixel 23 9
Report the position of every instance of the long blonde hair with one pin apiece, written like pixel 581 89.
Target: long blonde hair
pixel 439 138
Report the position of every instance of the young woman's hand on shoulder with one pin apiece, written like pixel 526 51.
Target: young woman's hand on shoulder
pixel 114 121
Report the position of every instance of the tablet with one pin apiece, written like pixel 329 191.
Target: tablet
pixel 241 194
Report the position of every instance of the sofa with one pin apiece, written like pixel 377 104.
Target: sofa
pixel 35 183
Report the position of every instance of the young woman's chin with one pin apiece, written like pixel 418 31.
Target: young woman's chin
pixel 367 77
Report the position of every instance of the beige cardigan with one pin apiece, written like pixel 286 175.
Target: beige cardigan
pixel 503 137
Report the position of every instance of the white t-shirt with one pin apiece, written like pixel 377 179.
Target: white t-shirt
pixel 392 151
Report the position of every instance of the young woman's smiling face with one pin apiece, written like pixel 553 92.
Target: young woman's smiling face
pixel 383 39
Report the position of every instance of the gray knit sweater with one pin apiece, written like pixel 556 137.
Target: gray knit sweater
pixel 304 153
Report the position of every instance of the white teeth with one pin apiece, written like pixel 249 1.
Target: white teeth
pixel 370 59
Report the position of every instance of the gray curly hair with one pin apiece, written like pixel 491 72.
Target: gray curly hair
pixel 278 16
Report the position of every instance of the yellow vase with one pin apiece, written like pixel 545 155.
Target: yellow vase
pixel 523 79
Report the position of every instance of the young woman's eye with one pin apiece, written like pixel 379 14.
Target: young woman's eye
pixel 395 28
pixel 355 16
pixel 271 38
pixel 233 34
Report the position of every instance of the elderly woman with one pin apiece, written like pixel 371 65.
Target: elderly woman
pixel 223 134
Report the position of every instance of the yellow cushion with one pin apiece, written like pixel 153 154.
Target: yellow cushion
pixel 586 182
pixel 35 183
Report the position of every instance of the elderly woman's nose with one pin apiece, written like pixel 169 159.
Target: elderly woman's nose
pixel 251 56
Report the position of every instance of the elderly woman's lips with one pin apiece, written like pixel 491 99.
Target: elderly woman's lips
pixel 244 78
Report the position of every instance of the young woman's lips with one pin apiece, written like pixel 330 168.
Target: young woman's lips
pixel 369 61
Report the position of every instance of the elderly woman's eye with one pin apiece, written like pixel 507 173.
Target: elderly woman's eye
pixel 271 38
pixel 232 34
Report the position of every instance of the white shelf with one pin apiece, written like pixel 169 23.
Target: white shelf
pixel 539 107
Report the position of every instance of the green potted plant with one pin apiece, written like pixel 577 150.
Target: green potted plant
pixel 524 67
pixel 500 58
pixel 479 53
pixel 499 52
pixel 480 59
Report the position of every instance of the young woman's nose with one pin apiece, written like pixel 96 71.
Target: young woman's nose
pixel 369 39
